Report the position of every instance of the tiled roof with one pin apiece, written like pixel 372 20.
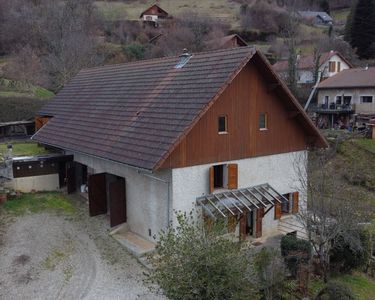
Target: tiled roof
pixel 307 62
pixel 135 113
pixel 132 113
pixel 359 77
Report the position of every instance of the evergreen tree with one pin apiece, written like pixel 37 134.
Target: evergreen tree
pixel 362 36
pixel 348 25
pixel 324 5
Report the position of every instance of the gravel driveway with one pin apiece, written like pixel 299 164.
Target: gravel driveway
pixel 61 256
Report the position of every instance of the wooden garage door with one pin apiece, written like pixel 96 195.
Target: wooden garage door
pixel 117 196
pixel 97 194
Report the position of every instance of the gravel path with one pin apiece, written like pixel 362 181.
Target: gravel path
pixel 50 256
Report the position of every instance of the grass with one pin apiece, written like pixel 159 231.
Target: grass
pixel 53 259
pixel 362 286
pixel 340 16
pixel 131 10
pixel 366 144
pixel 39 202
pixel 24 148
pixel 14 88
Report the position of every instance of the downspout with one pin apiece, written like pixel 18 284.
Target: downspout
pixel 168 183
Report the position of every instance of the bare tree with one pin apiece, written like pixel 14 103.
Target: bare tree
pixel 332 209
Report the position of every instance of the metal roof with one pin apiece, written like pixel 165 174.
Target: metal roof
pixel 235 202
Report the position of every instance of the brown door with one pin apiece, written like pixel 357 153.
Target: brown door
pixel 243 226
pixel 117 202
pixel 97 194
pixel 70 177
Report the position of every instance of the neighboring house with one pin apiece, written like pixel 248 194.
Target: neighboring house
pixel 345 97
pixel 228 41
pixel 317 18
pixel 154 14
pixel 330 63
pixel 216 132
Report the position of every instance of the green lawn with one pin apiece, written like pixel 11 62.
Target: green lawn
pixel 362 286
pixel 24 148
pixel 34 203
pixel 366 144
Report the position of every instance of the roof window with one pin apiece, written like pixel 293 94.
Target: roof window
pixel 184 58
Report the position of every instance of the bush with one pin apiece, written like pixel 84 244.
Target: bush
pixel 295 251
pixel 194 262
pixel 348 255
pixel 336 290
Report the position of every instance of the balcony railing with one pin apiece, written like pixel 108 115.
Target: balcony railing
pixel 332 108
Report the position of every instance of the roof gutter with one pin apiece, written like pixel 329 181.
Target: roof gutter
pixel 95 156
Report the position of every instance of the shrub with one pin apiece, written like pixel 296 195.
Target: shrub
pixel 295 251
pixel 193 262
pixel 348 255
pixel 336 290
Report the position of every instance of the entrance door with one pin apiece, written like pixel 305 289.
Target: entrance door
pixel 70 177
pixel 117 202
pixel 97 194
pixel 246 225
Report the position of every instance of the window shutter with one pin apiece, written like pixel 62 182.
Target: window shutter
pixel 232 176
pixel 295 202
pixel 212 180
pixel 277 211
pixel 259 222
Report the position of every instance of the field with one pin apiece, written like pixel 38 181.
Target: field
pixel 221 9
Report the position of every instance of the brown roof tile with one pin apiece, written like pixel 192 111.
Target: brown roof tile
pixel 359 77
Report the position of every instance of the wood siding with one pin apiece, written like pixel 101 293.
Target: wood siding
pixel 244 99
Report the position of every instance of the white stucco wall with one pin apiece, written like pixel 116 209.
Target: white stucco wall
pixel 42 183
pixel 279 170
pixel 146 198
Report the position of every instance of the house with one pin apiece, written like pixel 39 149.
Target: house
pixel 317 18
pixel 215 132
pixel 347 97
pixel 228 41
pixel 154 14
pixel 330 63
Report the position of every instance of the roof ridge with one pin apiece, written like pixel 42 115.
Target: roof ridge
pixel 157 59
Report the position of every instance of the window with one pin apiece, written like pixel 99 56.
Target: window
pixel 263 121
pixel 338 100
pixel 332 67
pixel 223 176
pixel 222 124
pixel 218 176
pixel 347 100
pixel 326 100
pixel 366 99
pixel 285 206
pixel 338 66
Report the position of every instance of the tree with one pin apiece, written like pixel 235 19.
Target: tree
pixel 196 262
pixel 331 212
pixel 362 35
pixel 270 272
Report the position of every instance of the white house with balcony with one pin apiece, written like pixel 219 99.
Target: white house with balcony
pixel 344 97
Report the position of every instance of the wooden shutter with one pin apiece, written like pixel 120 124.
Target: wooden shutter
pixel 232 176
pixel 212 180
pixel 259 222
pixel 295 202
pixel 278 212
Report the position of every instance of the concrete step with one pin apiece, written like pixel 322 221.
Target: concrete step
pixel 135 244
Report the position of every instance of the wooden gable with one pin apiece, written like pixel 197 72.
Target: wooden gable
pixel 247 96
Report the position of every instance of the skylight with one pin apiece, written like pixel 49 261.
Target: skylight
pixel 184 58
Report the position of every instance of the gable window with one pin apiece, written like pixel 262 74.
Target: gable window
pixel 366 99
pixel 263 122
pixel 222 124
pixel 332 67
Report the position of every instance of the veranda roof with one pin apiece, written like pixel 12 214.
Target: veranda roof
pixel 235 202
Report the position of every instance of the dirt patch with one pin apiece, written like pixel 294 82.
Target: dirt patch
pixel 64 256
